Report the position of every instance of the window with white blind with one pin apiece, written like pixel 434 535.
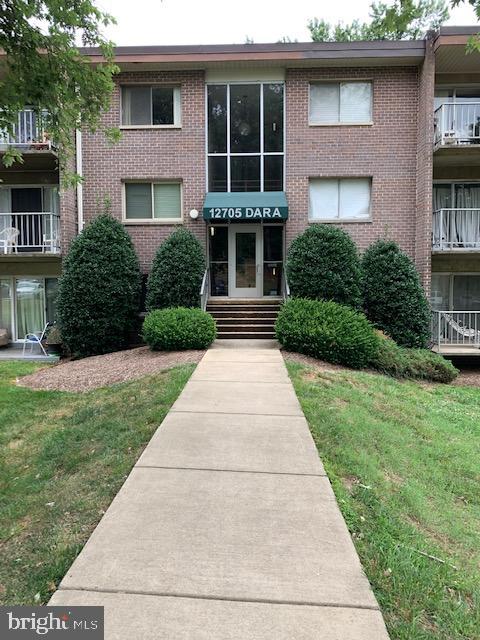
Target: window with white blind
pixel 150 106
pixel 339 199
pixel 158 201
pixel 341 103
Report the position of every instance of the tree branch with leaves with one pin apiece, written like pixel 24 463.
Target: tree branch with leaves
pixel 41 67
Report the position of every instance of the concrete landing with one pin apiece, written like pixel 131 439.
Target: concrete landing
pixel 227 527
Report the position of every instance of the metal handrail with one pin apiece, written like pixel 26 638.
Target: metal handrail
pixel 286 286
pixel 28 130
pixel 30 231
pixel 204 290
pixel 456 228
pixel 456 328
pixel 457 123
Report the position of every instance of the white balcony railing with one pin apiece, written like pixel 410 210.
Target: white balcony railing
pixel 28 131
pixel 456 229
pixel 29 232
pixel 457 124
pixel 456 329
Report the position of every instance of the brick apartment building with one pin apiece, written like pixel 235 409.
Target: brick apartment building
pixel 247 145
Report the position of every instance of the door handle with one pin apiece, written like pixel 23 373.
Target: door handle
pixel 258 269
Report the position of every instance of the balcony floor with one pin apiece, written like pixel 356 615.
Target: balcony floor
pixel 456 350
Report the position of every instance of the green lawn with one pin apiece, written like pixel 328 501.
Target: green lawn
pixel 404 461
pixel 63 457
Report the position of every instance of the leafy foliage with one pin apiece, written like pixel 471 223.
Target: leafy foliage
pixel 323 263
pixel 177 272
pixel 328 331
pixel 420 364
pixel 393 296
pixel 399 20
pixel 43 67
pixel 473 42
pixel 99 289
pixel 179 328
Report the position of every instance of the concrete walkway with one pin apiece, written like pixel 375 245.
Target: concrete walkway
pixel 227 527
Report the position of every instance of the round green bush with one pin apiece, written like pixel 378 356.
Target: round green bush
pixel 99 290
pixel 393 296
pixel 323 264
pixel 328 331
pixel 177 272
pixel 418 364
pixel 178 328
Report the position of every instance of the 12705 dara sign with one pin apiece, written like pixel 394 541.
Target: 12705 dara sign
pixel 245 213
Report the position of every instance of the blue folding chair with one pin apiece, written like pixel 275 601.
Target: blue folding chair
pixel 36 338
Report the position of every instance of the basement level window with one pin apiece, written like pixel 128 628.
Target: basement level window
pixel 151 106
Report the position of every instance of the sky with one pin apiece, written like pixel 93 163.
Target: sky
pixel 166 22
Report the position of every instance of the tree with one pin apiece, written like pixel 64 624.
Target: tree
pixel 323 264
pixel 177 272
pixel 474 41
pixel 401 20
pixel 393 296
pixel 41 67
pixel 99 289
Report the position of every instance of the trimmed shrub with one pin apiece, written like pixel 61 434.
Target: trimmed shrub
pixel 393 296
pixel 323 264
pixel 177 272
pixel 99 289
pixel 178 328
pixel 327 330
pixel 420 364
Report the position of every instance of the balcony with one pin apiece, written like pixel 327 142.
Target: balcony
pixel 23 233
pixel 456 230
pixel 457 125
pixel 456 332
pixel 28 133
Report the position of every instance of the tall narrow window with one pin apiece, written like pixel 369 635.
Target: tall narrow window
pixel 245 137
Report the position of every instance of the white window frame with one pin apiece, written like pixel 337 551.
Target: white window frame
pixel 177 105
pixel 340 123
pixel 147 221
pixel 339 219
pixel 261 154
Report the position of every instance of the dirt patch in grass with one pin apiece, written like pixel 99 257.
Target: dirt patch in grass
pixel 100 371
pixel 319 365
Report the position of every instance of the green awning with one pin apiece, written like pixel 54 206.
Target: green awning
pixel 267 206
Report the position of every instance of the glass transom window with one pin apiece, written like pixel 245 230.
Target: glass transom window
pixel 150 106
pixel 339 198
pixel 156 201
pixel 340 102
pixel 245 137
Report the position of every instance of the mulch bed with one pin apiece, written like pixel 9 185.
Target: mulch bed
pixel 100 371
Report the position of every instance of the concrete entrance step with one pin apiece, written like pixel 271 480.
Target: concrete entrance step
pixel 270 321
pixel 252 335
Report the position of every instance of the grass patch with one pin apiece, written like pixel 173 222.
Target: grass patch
pixel 403 459
pixel 63 457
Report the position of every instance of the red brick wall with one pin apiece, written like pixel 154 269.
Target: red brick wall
pixel 150 154
pixel 386 151
pixel 424 207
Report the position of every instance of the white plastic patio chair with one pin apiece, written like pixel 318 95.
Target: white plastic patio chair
pixel 36 338
pixel 8 239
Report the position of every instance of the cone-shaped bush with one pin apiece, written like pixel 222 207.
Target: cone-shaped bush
pixel 177 272
pixel 393 296
pixel 323 264
pixel 99 289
